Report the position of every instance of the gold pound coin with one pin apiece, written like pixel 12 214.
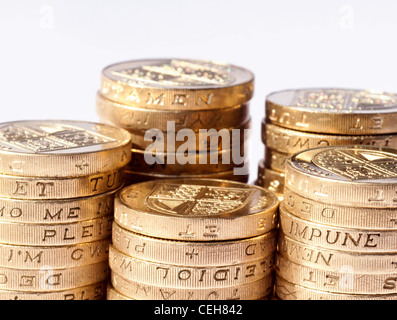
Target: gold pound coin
pixel 56 235
pixel 52 280
pixel 193 253
pixel 140 291
pixel 135 118
pixel 348 176
pixel 136 177
pixel 334 238
pixel 289 141
pixel 176 84
pixel 153 162
pixel 335 260
pixel 340 216
pixel 96 291
pixel 27 188
pixel 49 149
pixel 288 291
pixel 196 210
pixel 56 211
pixel 35 258
pixel 347 280
pixel 167 275
pixel 334 111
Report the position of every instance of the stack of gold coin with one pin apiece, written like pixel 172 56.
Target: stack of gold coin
pixel 187 118
pixel 298 120
pixel 57 186
pixel 193 240
pixel 338 225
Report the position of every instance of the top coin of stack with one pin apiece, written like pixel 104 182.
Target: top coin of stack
pixel 57 185
pixel 338 225
pixel 169 101
pixel 193 239
pixel 298 120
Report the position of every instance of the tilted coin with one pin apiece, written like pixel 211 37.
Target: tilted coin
pixel 48 279
pixel 56 211
pixel 196 210
pixel 140 291
pixel 186 140
pixel 275 160
pixel 193 253
pixel 57 234
pixel 335 260
pixel 133 118
pixel 60 188
pixel 29 257
pixel 176 84
pixel 96 291
pixel 61 148
pixel 168 275
pixel 353 240
pixel 333 110
pixel 339 216
pixel 135 177
pixel 271 180
pixel 291 141
pixel 153 162
pixel 345 281
pixel 288 291
pixel 349 176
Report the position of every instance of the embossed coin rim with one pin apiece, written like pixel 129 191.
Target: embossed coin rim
pixel 76 292
pixel 307 293
pixel 175 252
pixel 252 290
pixel 361 283
pixel 385 244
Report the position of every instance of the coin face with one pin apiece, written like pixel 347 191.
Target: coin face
pixel 336 100
pixel 52 148
pixel 59 137
pixel 354 164
pixel 197 198
pixel 175 73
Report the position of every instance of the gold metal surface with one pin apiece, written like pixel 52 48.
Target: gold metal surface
pixel 350 176
pixel 96 291
pixel 159 274
pixel 176 84
pixel 140 291
pixel 196 210
pixel 333 111
pixel 195 254
pixel 291 141
pixel 61 148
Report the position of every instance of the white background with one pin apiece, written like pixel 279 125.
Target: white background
pixel 52 51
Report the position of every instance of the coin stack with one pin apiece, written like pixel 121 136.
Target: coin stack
pixel 298 120
pixel 193 240
pixel 338 225
pixel 57 185
pixel 187 118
